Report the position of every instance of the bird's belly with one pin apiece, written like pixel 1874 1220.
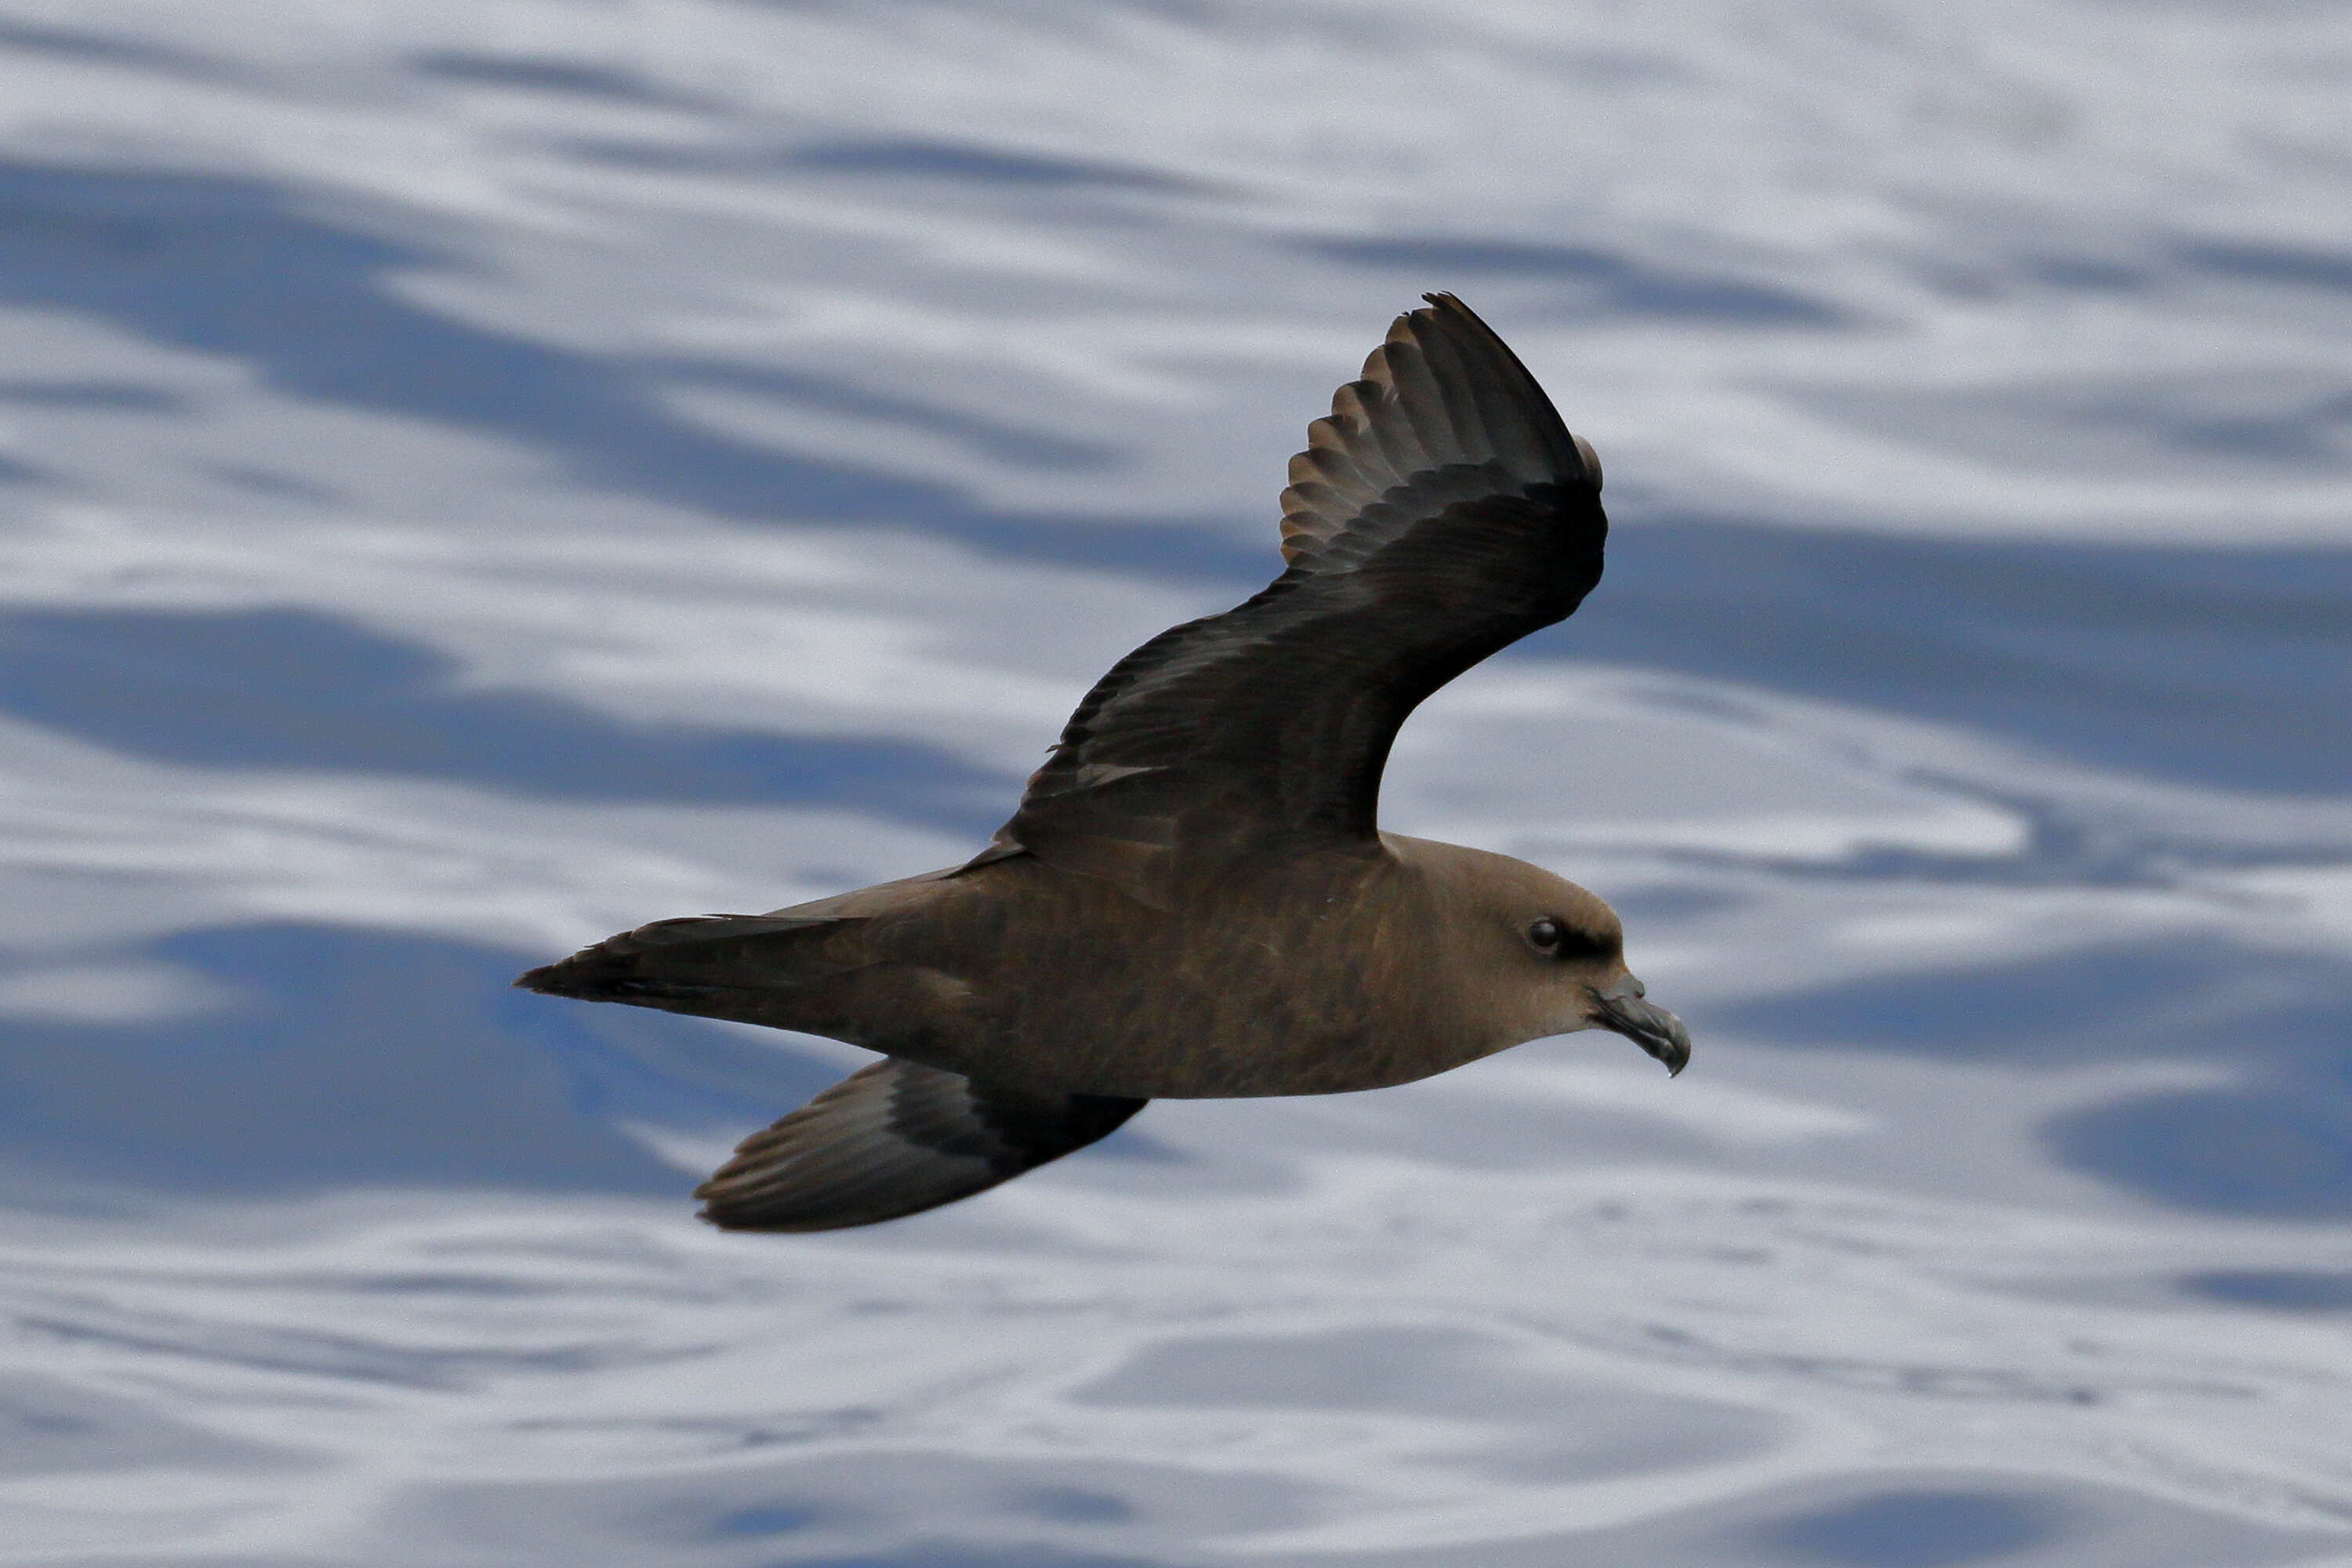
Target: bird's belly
pixel 1208 1044
pixel 1166 1070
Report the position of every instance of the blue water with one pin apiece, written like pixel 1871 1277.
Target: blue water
pixel 298 1187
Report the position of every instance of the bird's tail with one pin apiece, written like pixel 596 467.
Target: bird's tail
pixel 718 965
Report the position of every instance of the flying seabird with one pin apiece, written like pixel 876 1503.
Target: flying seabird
pixel 1193 899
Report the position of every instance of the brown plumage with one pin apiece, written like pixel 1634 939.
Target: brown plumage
pixel 1193 898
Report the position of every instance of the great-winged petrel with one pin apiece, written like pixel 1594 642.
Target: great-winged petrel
pixel 1193 899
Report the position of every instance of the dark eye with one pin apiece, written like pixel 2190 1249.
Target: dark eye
pixel 1555 940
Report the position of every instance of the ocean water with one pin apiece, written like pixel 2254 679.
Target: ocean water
pixel 477 477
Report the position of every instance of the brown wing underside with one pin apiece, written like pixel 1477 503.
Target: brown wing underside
pixel 1441 513
pixel 896 1139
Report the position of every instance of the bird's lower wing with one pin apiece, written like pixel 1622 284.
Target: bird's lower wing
pixel 896 1139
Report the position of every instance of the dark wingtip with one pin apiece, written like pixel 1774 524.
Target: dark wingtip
pixel 541 980
pixel 1445 303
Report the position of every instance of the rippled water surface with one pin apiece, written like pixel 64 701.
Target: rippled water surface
pixel 473 477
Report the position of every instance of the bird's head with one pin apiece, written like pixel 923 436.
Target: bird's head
pixel 1553 953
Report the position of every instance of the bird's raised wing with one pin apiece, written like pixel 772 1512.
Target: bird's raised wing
pixel 1441 512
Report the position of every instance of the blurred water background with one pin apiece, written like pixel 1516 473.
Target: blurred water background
pixel 475 477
